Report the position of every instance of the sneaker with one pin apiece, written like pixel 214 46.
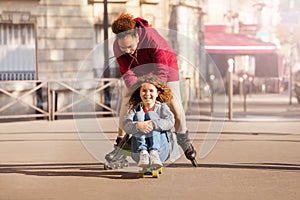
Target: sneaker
pixel 154 159
pixel 144 159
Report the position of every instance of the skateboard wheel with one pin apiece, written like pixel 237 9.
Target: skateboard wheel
pixel 155 173
pixel 160 170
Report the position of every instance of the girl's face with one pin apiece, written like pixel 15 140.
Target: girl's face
pixel 128 44
pixel 148 94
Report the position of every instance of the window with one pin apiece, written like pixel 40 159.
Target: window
pixel 17 52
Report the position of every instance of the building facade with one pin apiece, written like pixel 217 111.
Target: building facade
pixel 256 21
pixel 49 39
pixel 54 40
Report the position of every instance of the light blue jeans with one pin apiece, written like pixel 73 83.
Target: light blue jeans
pixel 154 140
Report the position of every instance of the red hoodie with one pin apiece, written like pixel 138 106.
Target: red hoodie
pixel 153 55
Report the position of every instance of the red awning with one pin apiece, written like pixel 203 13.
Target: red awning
pixel 225 43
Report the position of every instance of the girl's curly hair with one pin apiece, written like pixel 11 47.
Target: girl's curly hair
pixel 124 25
pixel 164 92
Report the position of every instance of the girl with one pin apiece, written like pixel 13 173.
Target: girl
pixel 148 119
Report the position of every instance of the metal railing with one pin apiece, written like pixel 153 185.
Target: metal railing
pixel 80 91
pixel 42 98
pixel 22 93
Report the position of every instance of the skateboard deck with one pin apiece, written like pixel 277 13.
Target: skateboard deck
pixel 150 172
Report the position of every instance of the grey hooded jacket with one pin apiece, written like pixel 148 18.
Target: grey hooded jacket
pixel 165 121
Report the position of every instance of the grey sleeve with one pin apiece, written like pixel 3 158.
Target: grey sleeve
pixel 129 126
pixel 166 120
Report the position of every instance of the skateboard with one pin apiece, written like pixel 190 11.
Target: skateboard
pixel 153 172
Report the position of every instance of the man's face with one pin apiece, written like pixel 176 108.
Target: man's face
pixel 128 44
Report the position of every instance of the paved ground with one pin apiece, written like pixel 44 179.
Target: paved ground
pixel 258 106
pixel 256 156
pixel 61 160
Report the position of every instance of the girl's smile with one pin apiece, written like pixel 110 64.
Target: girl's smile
pixel 148 94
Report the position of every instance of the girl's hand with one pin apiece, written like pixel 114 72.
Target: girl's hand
pixel 145 127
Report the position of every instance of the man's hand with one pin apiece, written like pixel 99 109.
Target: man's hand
pixel 145 127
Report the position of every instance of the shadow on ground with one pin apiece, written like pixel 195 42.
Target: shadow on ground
pixel 97 169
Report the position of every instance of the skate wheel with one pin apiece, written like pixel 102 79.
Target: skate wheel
pixel 118 166
pixel 125 164
pixel 194 163
pixel 105 167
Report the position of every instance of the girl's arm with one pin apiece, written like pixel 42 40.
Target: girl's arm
pixel 166 120
pixel 130 126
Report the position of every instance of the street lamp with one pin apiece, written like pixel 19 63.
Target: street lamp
pixel 245 77
pixel 212 78
pixel 107 97
pixel 291 65
pixel 230 87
